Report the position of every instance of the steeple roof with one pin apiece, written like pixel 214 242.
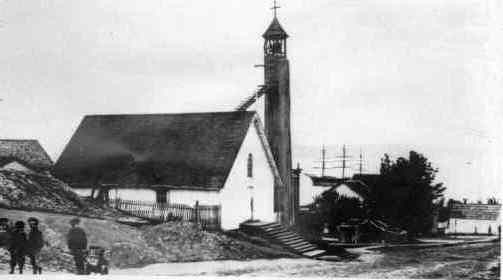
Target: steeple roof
pixel 275 31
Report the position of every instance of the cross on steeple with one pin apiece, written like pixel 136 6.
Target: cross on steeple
pixel 275 7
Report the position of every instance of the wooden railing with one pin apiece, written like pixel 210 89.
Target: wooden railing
pixel 208 216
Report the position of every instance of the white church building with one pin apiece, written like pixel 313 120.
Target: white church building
pixel 220 158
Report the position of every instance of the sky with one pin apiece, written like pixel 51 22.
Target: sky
pixel 383 76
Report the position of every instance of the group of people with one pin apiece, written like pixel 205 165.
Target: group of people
pixel 21 244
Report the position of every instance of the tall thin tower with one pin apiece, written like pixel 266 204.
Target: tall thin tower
pixel 277 114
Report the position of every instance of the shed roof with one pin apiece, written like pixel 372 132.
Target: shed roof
pixel 26 151
pixel 194 150
pixel 472 211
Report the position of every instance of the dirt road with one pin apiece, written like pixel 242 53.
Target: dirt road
pixel 478 261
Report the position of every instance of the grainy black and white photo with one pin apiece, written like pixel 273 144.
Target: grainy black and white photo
pixel 265 138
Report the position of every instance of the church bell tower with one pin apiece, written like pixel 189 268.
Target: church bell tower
pixel 277 115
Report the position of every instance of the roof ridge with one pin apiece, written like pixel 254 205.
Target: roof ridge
pixel 19 140
pixel 474 204
pixel 171 114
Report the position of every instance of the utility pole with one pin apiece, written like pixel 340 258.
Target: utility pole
pixel 323 151
pixel 361 163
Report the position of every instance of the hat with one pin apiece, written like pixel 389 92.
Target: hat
pixel 19 224
pixel 33 220
pixel 75 221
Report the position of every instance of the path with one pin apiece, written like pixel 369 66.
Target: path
pixel 459 262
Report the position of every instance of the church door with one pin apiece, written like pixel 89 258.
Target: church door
pixel 252 207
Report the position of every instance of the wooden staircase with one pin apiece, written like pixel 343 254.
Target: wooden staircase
pixel 280 235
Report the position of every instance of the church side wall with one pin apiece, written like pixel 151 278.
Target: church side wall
pixel 187 197
pixel 146 195
pixel 236 194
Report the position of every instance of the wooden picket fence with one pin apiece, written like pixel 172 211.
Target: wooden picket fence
pixel 208 216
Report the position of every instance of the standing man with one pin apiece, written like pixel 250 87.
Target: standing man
pixel 5 233
pixel 17 248
pixel 34 244
pixel 77 243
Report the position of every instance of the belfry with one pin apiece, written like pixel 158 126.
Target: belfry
pixel 277 115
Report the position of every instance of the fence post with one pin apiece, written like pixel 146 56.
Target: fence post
pixel 196 209
pixel 219 213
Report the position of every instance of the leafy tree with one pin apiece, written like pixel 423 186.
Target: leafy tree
pixel 405 193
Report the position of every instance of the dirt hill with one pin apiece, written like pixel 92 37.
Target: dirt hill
pixel 34 191
pixel 133 247
pixel 24 195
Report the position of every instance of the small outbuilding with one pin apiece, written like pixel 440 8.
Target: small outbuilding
pixel 474 218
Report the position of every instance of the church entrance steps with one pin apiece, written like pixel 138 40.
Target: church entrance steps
pixel 280 235
pixel 304 248
pixel 294 238
pixel 285 234
pixel 298 244
pixel 314 253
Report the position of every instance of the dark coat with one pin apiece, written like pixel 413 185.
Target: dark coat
pixel 76 239
pixel 18 242
pixel 5 235
pixel 35 242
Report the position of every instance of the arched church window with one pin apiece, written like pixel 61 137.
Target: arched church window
pixel 250 166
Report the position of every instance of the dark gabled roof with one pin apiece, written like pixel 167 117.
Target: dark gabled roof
pixel 27 152
pixel 472 211
pixel 195 150
pixel 360 184
pixel 371 180
pixel 325 181
pixel 358 187
pixel 275 31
